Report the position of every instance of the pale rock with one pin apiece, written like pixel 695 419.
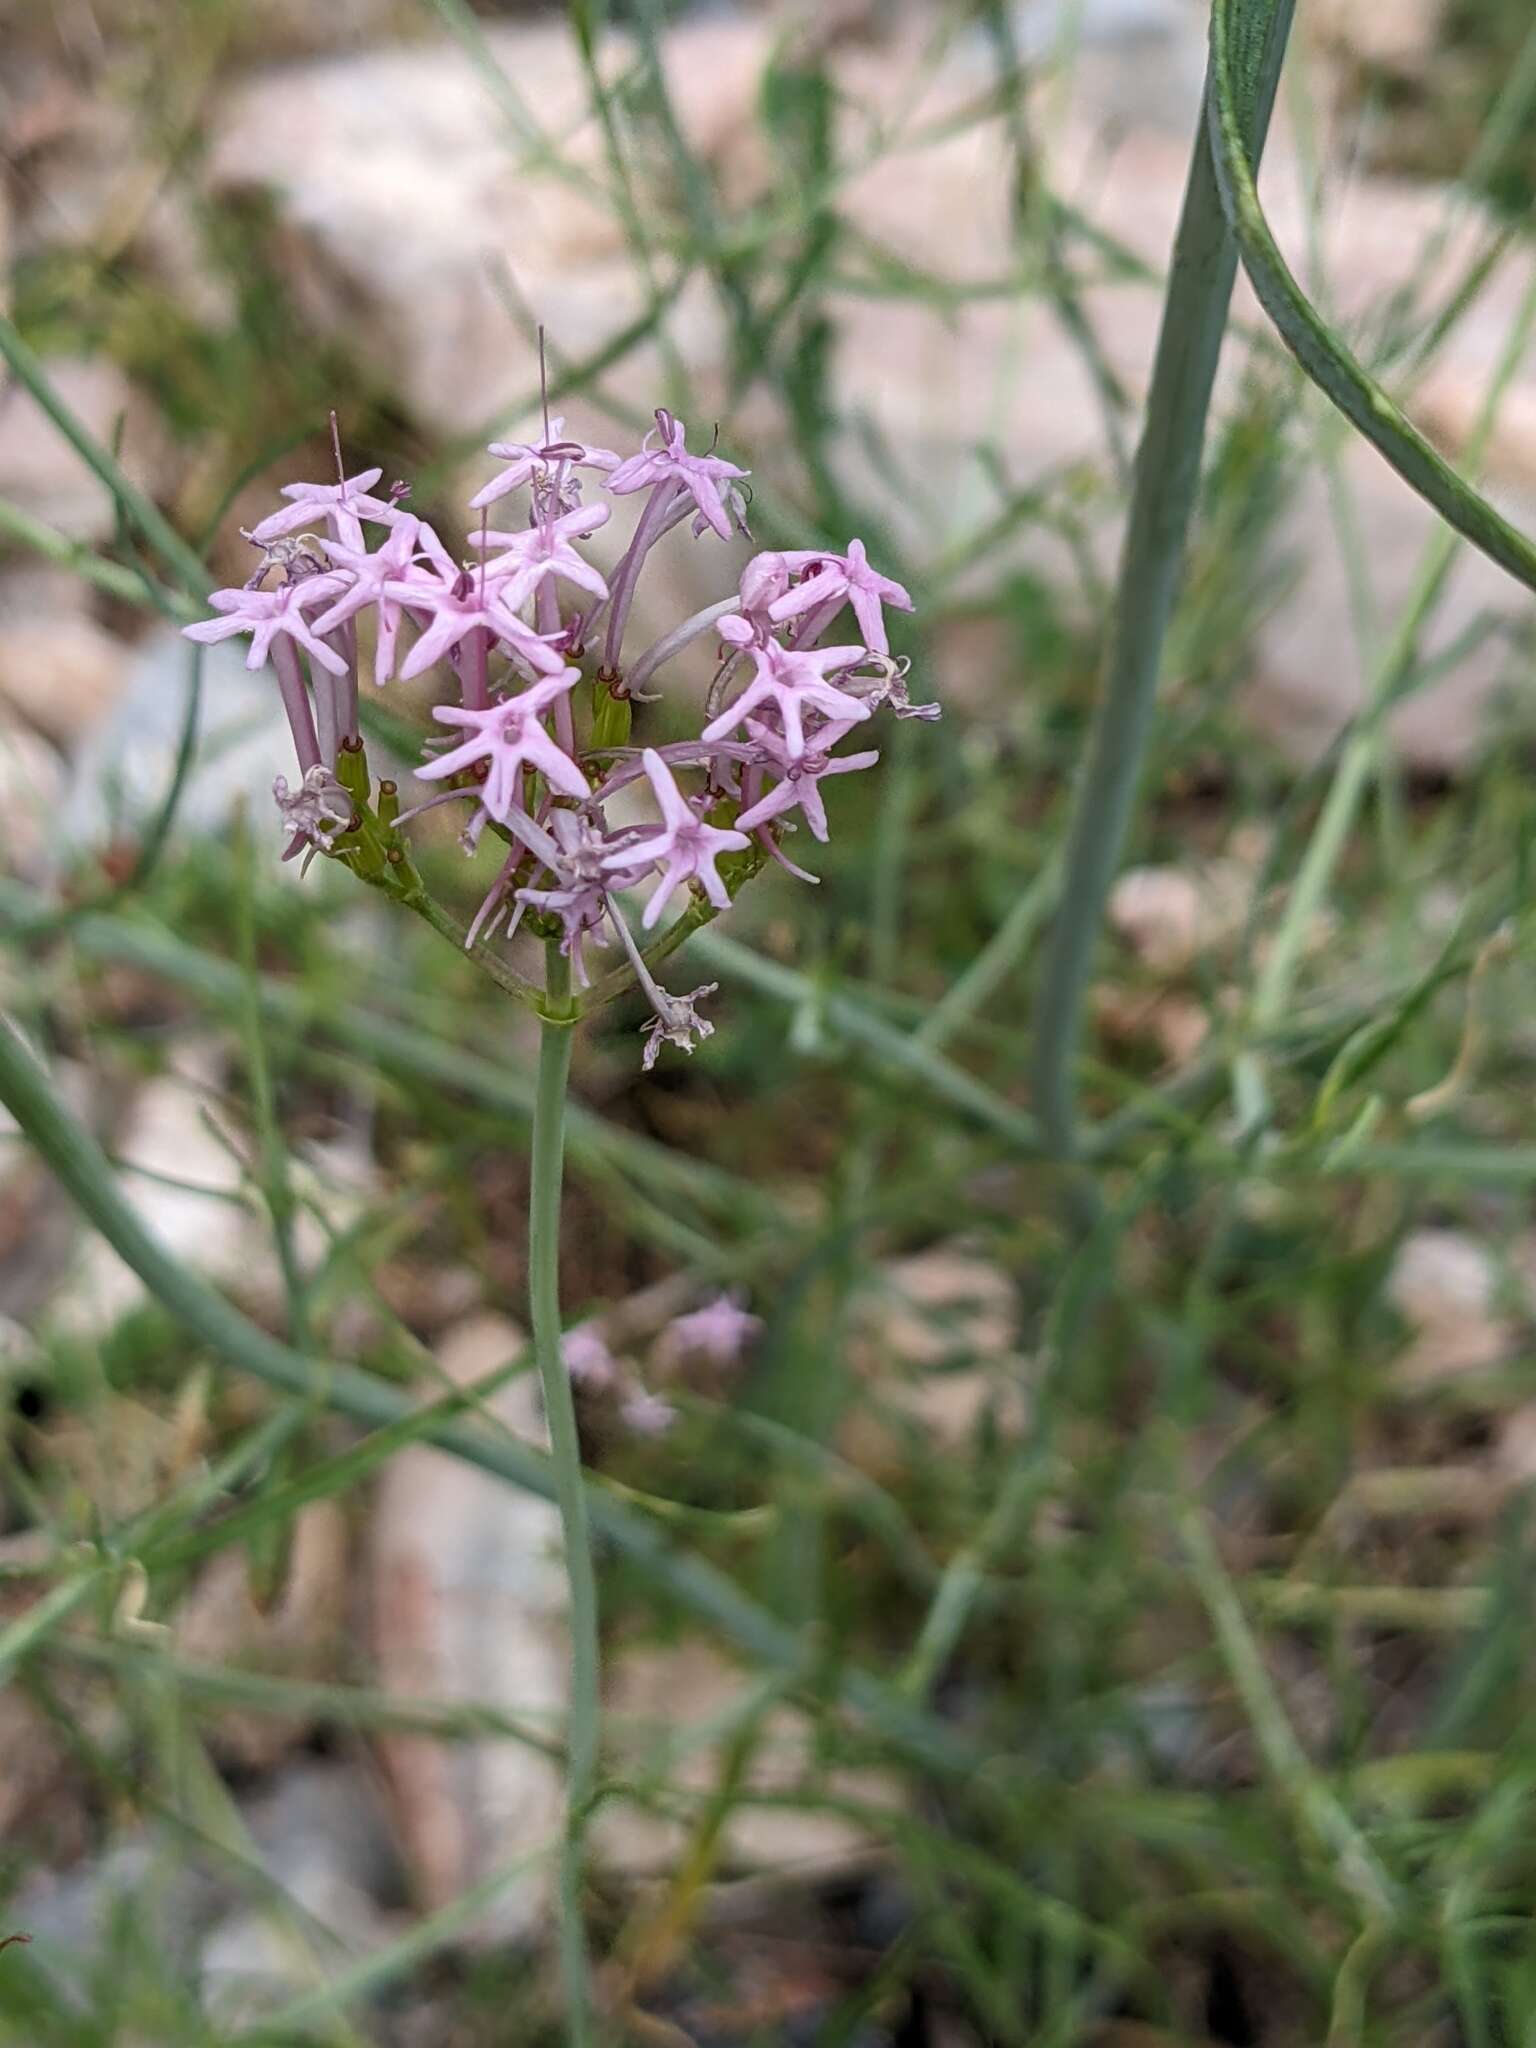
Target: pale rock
pixel 325 1861
pixel 468 1609
pixel 928 387
pixel 1156 910
pixel 1171 916
pixel 1310 681
pixel 39 470
pixel 317 1836
pixel 333 1180
pixel 120 1455
pixel 69 1912
pixel 31 801
pixel 1385 240
pixel 424 223
pixel 669 1715
pixel 259 1958
pixel 179 1160
pixel 1447 400
pixel 1390 35
pixel 1514 1449
pixel 932 386
pixel 198 1211
pixel 60 671
pixel 1138 62
pixel 945 1304
pixel 1448 405
pixel 935 1337
pixel 124 768
pixel 20 1352
pixel 37 1761
pixel 1176 1023
pixel 300 1635
pixel 1444 1285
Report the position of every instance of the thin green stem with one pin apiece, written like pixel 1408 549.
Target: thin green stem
pixel 137 510
pixel 395 1046
pixel 1318 1808
pixel 548 1160
pixel 272 1173
pixel 485 957
pixel 1235 24
pixel 998 959
pixel 1162 505
pixel 46 1614
pixel 894 1048
pixel 77 1160
pixel 132 586
pixel 1358 760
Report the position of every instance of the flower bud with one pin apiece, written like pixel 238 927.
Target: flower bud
pixel 764 580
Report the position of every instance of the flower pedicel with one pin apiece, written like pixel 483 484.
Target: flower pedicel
pixel 532 635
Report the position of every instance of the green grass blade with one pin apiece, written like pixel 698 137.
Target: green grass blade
pixel 135 508
pixel 78 1163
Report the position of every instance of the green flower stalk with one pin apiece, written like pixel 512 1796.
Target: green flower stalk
pixel 1166 482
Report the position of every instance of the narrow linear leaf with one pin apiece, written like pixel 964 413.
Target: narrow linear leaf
pixel 1315 346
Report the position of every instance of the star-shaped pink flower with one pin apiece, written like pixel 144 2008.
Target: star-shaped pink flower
pixel 267 614
pixel 794 681
pixel 377 579
pixel 528 461
pixel 510 737
pixel 460 607
pixel 798 783
pixel 345 505
pixel 842 576
pixel 700 475
pixel 686 846
pixel 534 552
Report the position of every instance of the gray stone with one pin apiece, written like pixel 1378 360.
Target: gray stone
pixel 125 766
pixel 39 470
pixel 31 806
pixel 59 669
pixel 1311 679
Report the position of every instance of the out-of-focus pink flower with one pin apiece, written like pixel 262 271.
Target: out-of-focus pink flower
pixel 720 1331
pixel 587 1358
pixel 647 1414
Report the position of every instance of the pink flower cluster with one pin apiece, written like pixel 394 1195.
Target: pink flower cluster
pixel 714 1338
pixel 524 620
